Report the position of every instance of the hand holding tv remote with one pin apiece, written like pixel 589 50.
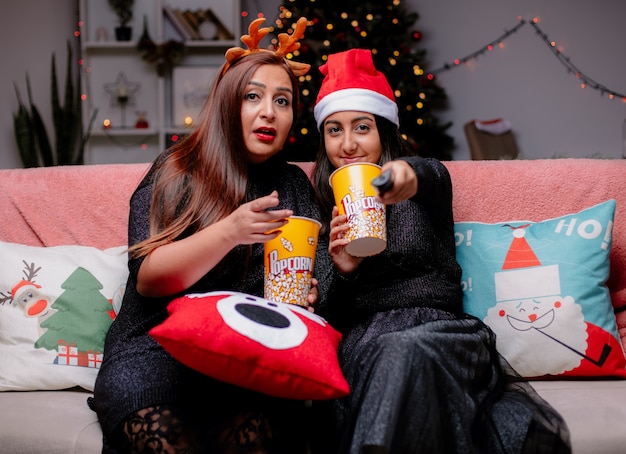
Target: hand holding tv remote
pixel 383 182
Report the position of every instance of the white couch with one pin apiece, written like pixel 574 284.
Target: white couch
pixel 59 421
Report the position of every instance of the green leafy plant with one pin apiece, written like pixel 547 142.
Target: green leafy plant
pixel 123 9
pixel 31 135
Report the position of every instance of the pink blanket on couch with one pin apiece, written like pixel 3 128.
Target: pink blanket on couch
pixel 534 190
pixel 88 205
pixel 496 191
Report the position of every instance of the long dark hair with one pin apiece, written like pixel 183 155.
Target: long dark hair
pixel 204 177
pixel 393 146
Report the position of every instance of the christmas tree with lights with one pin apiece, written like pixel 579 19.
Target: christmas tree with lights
pixel 385 27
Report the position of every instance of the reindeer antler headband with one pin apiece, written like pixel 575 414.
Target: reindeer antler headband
pixel 286 44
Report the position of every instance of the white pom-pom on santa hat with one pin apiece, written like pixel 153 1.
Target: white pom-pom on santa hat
pixel 352 82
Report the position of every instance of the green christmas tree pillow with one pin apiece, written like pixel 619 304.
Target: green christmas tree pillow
pixel 56 306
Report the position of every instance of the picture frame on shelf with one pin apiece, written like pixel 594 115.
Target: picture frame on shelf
pixel 190 87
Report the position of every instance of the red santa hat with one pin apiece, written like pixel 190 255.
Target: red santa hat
pixel 22 286
pixel 524 277
pixel 351 82
pixel 520 254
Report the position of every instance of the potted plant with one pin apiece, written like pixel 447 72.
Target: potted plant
pixel 67 146
pixel 124 11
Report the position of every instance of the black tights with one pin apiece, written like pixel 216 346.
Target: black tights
pixel 162 429
pixel 159 430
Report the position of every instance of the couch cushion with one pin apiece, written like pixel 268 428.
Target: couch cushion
pixel 56 306
pixel 541 288
pixel 54 422
pixel 277 348
pixel 594 411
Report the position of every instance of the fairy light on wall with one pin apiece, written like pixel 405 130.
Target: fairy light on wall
pixel 84 86
pixel 585 80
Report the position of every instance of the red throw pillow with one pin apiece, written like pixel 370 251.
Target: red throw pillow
pixel 276 348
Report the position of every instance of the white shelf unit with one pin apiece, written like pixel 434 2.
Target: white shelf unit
pixel 105 61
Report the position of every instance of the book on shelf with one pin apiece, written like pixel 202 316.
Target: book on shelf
pixel 175 21
pixel 222 31
pixel 188 22
pixel 190 30
pixel 191 18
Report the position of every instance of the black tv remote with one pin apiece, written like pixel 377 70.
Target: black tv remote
pixel 383 182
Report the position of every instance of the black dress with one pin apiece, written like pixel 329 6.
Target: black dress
pixel 424 376
pixel 137 373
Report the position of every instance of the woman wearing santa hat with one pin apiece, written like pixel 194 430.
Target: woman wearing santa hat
pixel 424 376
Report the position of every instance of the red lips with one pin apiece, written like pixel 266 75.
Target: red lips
pixel 265 134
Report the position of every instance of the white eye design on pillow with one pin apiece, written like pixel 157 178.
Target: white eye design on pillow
pixel 273 325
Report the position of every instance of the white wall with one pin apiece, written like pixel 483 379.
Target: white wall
pixel 524 82
pixel 30 31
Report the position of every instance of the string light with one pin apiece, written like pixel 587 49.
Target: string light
pixel 565 61
pixel 585 81
pixel 488 47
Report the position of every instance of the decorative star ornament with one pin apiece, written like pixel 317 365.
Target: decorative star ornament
pixel 122 91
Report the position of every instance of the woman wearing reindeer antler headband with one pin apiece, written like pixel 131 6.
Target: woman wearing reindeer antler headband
pixel 198 221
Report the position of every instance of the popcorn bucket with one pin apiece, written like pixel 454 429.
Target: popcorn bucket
pixel 289 260
pixel 355 196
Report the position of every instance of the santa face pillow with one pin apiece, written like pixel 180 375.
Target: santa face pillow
pixel 276 348
pixel 541 287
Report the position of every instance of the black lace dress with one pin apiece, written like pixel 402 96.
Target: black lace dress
pixel 137 373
